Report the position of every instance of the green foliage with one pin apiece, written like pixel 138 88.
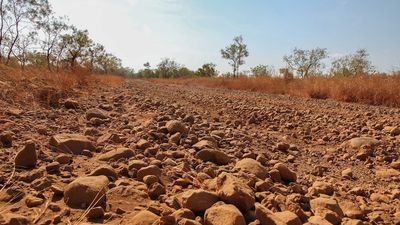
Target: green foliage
pixel 352 65
pixel 169 68
pixel 306 62
pixel 236 52
pixel 207 70
pixel 262 70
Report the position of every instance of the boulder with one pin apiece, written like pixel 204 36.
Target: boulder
pixel 175 126
pixel 203 144
pixel 215 156
pixel 356 143
pixel 286 174
pixel 27 156
pixel 86 190
pixel 252 166
pixel 96 113
pixel 232 190
pixel 198 200
pixel 223 214
pixel 71 143
pixel 267 217
pixel 143 218
pixel 328 209
pixel 149 170
pixel 107 171
pixel 116 154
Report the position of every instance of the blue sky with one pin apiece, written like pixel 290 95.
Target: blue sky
pixel 193 31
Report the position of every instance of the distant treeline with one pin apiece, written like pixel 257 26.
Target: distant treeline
pixel 32 36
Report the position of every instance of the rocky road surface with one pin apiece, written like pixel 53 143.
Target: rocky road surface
pixel 147 153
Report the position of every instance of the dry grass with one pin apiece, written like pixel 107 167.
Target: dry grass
pixel 46 88
pixel 372 90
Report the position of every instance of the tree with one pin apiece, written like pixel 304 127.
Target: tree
pixel 76 46
pixel 352 65
pixel 22 48
pixel 236 53
pixel 167 68
pixel 262 70
pixel 306 62
pixel 52 29
pixel 207 70
pixel 16 13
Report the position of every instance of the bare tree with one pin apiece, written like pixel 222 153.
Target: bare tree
pixel 306 62
pixel 236 53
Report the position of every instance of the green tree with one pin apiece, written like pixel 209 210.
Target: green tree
pixel 306 62
pixel 262 70
pixel 352 65
pixel 167 68
pixel 76 46
pixel 207 70
pixel 235 53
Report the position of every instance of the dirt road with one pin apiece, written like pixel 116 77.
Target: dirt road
pixel 170 153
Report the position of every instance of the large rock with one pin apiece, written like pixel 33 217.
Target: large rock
pixel 232 190
pixel 96 113
pixel 215 156
pixel 143 218
pixel 27 156
pixel 286 174
pixel 252 166
pixel 224 214
pixel 149 170
pixel 267 217
pixel 86 190
pixel 203 144
pixel 356 143
pixel 198 200
pixel 107 171
pixel 71 143
pixel 328 209
pixel 175 126
pixel 14 219
pixel 386 172
pixel 116 154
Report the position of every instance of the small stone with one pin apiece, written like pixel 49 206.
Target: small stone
pixel 27 156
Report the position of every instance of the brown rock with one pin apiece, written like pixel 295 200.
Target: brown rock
pixel 107 171
pixel 143 218
pixel 286 174
pixel 84 190
pixel 223 214
pixel 252 166
pixel 116 154
pixel 232 190
pixel 198 200
pixel 175 126
pixel 215 156
pixel 149 170
pixel 71 143
pixel 27 156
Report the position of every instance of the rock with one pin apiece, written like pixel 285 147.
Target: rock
pixel 395 131
pixel 27 156
pixel 143 218
pixel 155 190
pixel 321 187
pixel 116 154
pixel 203 144
pixel 328 209
pixel 107 171
pixel 6 139
pixel 356 143
pixel 64 159
pixel 95 213
pixel 143 144
pixel 351 210
pixel 149 170
pixel 32 201
pixel 175 126
pixel 395 165
pixel 215 156
pixel 183 213
pixel 232 190
pixel 150 179
pixel 136 164
pixel 223 214
pixel 347 173
pixel 71 143
pixel 252 166
pixel 286 174
pixel 53 167
pixel 14 219
pixel 267 217
pixel 96 113
pixel 281 146
pixel 386 172
pixel 175 138
pixel 84 190
pixel 71 104
pixel 317 220
pixel 198 200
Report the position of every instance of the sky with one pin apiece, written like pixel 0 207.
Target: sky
pixel 193 32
